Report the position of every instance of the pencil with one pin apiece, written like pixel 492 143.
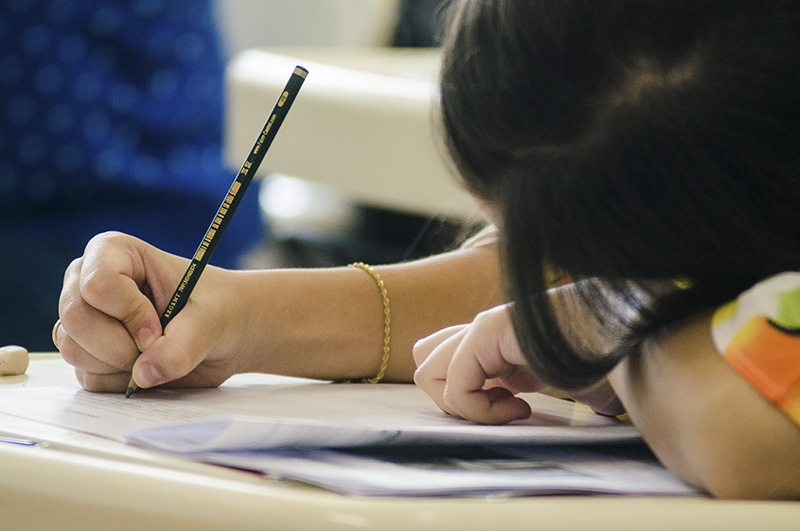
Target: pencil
pixel 229 204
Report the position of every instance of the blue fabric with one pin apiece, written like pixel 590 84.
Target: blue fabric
pixel 110 119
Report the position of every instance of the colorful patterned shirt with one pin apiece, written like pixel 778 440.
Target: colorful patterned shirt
pixel 759 335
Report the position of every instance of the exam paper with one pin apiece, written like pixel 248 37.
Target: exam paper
pixel 468 470
pixel 257 411
pixel 301 419
pixel 251 433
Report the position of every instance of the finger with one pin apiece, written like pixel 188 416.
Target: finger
pixel 103 383
pixel 424 347
pixel 112 279
pixel 90 333
pixel 489 350
pixel 92 340
pixel 176 355
pixel 601 397
pixel 466 397
pixel 431 375
pixel 78 357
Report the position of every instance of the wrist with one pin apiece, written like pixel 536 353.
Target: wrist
pixel 231 316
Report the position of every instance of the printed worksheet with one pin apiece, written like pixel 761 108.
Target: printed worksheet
pixel 257 411
pixel 368 440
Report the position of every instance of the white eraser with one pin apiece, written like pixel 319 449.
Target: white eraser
pixel 13 360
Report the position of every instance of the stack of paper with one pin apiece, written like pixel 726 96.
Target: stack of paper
pixel 358 439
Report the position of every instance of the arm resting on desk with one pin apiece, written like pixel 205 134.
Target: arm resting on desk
pixel 319 323
pixel 338 331
pixel 706 422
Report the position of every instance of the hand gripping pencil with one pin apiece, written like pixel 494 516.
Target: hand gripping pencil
pixel 231 201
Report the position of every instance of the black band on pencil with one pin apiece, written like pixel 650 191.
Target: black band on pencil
pixel 234 195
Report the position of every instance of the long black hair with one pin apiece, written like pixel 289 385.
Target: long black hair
pixel 647 149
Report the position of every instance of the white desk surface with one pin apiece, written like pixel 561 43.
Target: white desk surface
pixel 84 482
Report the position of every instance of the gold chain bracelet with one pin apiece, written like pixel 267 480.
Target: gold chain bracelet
pixel 387 320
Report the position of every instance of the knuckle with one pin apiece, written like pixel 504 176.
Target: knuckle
pixel 106 238
pixel 416 353
pixel 101 383
pixel 88 381
pixel 96 285
pixel 136 312
pixel 74 267
pixel 71 280
pixel 69 351
pixel 104 260
pixel 73 316
pixel 480 325
pixel 419 378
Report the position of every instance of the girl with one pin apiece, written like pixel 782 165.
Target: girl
pixel 650 152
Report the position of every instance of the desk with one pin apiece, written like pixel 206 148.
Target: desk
pixel 363 124
pixel 86 483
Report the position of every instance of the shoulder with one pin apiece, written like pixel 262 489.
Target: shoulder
pixel 758 334
pixel 776 298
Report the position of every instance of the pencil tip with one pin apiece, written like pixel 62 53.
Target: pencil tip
pixel 129 392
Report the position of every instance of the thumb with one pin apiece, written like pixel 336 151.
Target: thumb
pixel 147 373
pixel 163 362
pixel 175 355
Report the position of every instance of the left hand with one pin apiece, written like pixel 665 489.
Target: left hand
pixel 475 371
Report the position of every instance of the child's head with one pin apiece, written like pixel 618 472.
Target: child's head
pixel 643 140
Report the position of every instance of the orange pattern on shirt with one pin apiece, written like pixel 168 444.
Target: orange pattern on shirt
pixel 767 357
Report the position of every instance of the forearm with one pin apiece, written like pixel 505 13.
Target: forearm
pixel 705 422
pixel 329 323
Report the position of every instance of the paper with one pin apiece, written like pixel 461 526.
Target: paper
pixel 296 412
pixel 49 393
pixel 468 470
pixel 250 433
pixel 294 415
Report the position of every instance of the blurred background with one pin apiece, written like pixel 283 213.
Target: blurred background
pixel 113 116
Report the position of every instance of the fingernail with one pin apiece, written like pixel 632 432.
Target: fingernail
pixel 149 375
